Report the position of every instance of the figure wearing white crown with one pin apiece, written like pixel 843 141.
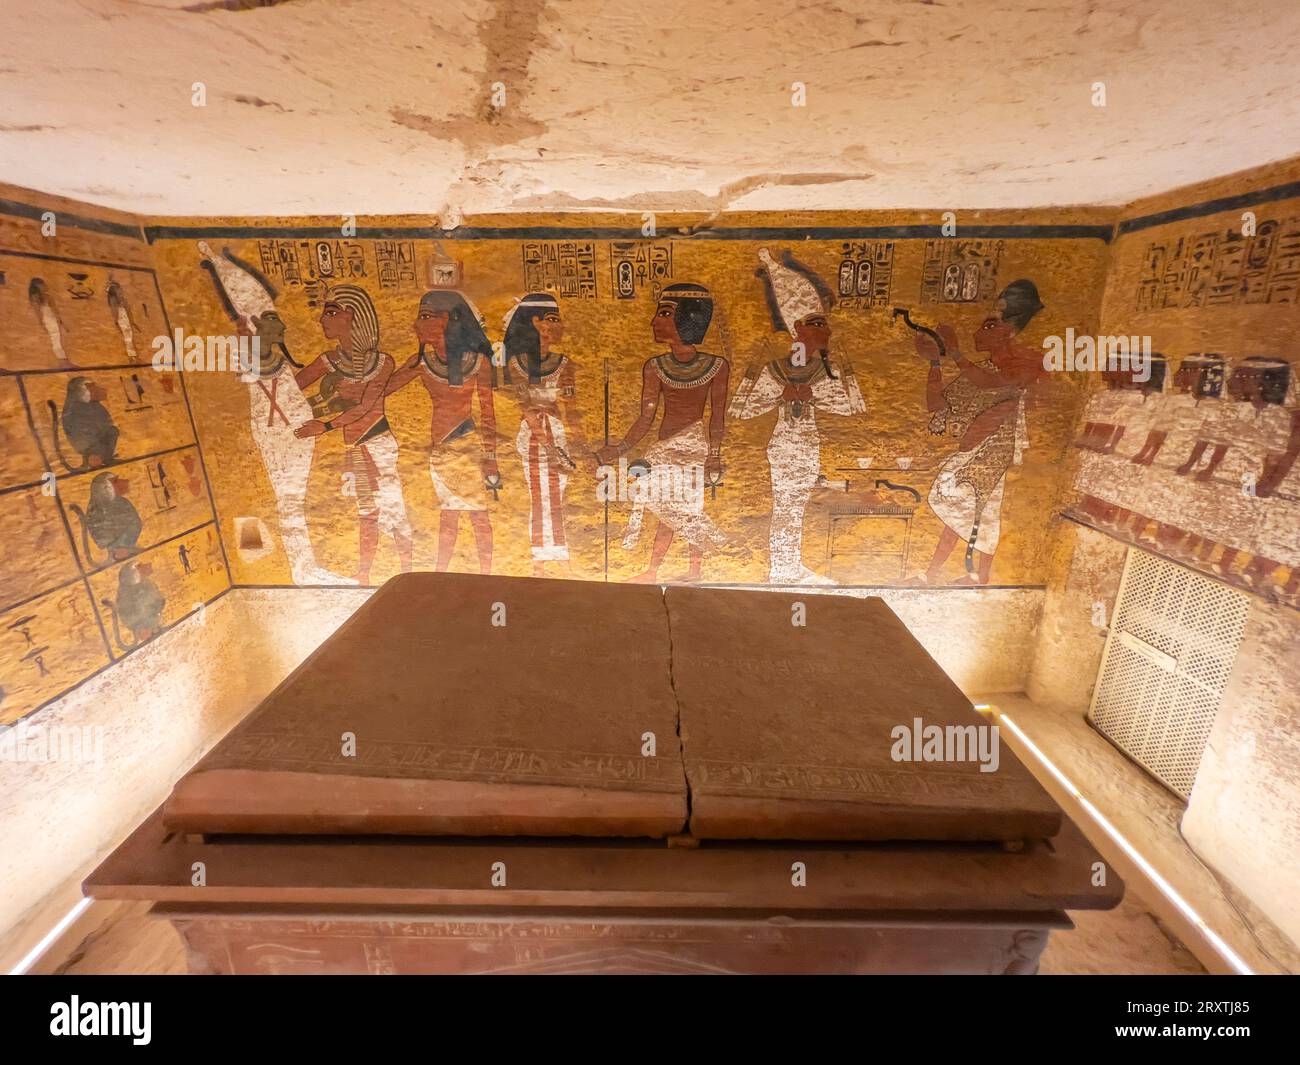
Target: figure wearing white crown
pixel 798 385
pixel 276 406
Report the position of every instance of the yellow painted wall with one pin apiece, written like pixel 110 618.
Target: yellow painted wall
pixel 58 601
pixel 1186 275
pixel 1211 269
pixel 883 537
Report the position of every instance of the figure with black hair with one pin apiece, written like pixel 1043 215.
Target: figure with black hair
pixel 548 442
pixel 353 381
pixel 983 409
pixel 797 386
pixel 454 364
pixel 1117 469
pixel 687 453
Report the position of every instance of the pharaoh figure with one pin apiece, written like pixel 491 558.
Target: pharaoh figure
pixel 982 408
pixel 38 295
pixel 454 363
pixel 275 404
pixel 798 385
pixel 121 311
pixel 354 378
pixel 687 454
pixel 547 439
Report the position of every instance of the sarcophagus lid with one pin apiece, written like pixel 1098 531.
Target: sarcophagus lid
pixel 451 704
pixel 495 706
pixel 828 720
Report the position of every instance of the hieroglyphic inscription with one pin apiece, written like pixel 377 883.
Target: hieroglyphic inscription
pixel 1222 267
pixel 566 267
pixel 637 264
pixel 767 779
pixel 866 273
pixel 478 763
pixel 960 271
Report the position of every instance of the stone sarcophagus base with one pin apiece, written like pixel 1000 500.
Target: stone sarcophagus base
pixel 644 780
pixel 270 943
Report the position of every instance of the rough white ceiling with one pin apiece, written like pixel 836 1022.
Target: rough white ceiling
pixel 379 106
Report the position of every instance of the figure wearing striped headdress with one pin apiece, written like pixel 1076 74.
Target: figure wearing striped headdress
pixel 353 381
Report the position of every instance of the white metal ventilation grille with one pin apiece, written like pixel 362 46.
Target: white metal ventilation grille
pixel 1171 647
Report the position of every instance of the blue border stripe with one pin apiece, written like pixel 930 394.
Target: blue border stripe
pixel 776 233
pixel 1289 191
pixel 67 218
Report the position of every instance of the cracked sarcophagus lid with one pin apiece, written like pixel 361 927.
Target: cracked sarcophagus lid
pixel 451 704
pixel 827 720
pixel 495 706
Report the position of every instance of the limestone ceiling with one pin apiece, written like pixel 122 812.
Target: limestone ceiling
pixel 379 106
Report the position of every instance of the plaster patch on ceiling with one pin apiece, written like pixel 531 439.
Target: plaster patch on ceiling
pixel 728 197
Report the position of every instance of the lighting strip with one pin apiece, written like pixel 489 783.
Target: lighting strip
pixel 1165 888
pixel 53 934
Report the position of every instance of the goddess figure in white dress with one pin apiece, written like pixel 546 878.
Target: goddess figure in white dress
pixel 543 380
pixel 798 385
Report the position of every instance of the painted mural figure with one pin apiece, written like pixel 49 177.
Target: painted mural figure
pixel 121 311
pixel 110 519
pixel 38 295
pixel 1248 509
pixel 276 406
pixel 1111 411
pixel 353 379
pixel 1121 447
pixel 983 409
pixel 687 454
pixel 1236 432
pixel 547 440
pixel 797 386
pixel 87 426
pixel 138 606
pixel 454 363
pixel 1197 384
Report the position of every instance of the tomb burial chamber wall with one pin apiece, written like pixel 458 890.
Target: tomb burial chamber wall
pixel 1199 467
pixel 852 464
